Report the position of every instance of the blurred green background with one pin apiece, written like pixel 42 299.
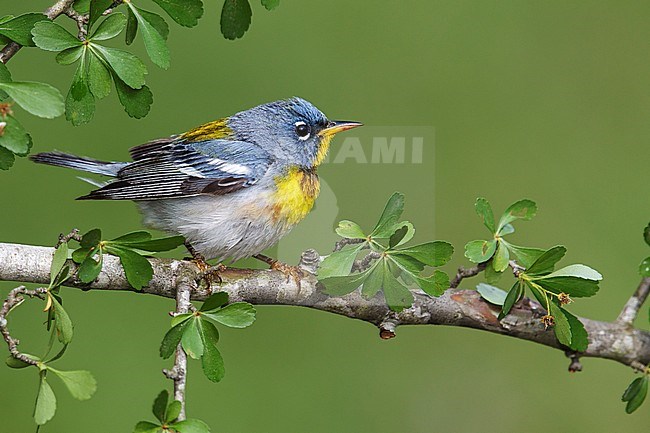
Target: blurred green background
pixel 546 100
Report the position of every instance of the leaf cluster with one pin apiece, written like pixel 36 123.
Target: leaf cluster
pixel 552 288
pixel 396 269
pixel 198 335
pixel 167 416
pixel 80 383
pixel 39 99
pixel 636 392
pixel 131 248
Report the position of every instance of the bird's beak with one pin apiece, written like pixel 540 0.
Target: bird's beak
pixel 336 126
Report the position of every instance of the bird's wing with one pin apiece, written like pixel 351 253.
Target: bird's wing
pixel 171 168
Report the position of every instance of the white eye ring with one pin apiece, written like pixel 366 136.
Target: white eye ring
pixel 302 130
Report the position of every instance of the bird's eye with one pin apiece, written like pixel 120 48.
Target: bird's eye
pixel 303 130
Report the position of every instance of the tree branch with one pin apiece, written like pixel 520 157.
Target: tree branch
pixel 52 12
pixel 631 308
pixel 465 308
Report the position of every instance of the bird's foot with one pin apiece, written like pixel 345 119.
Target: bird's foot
pixel 208 273
pixel 289 271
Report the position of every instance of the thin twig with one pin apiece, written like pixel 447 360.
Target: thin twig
pixel 345 241
pixel 15 298
pixel 467 273
pixel 51 13
pixel 364 263
pixel 632 306
pixel 179 372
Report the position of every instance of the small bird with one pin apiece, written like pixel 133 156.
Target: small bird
pixel 232 187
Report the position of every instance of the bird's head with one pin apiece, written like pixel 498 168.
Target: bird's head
pixel 293 130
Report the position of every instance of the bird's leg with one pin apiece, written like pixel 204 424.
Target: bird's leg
pixel 290 271
pixel 208 272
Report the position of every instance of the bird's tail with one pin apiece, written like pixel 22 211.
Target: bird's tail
pixel 78 163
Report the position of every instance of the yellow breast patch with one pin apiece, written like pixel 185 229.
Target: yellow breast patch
pixel 295 195
pixel 215 130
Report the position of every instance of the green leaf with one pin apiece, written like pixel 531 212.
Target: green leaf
pixel 215 301
pixel 501 258
pixel 350 230
pixel 5 75
pixel 159 408
pixel 137 268
pixel 397 237
pixel 7 159
pixel 99 77
pixel 407 263
pixel 127 66
pixel 153 245
pixel 435 253
pixel 375 280
pixel 270 4
pixel 80 254
pixel 578 270
pixel 39 99
pixel 435 285
pixel 339 263
pixel 507 229
pixel 579 336
pixel 131 27
pixel 62 322
pixel 484 210
pixel 480 251
pixel 147 427
pixel 523 209
pixel 91 238
pixel 635 393
pixel 90 269
pixel 562 327
pixel 110 27
pixel 58 261
pixel 80 103
pixel 97 8
pixel 136 103
pixel 646 234
pixel 14 137
pixel 81 384
pixel 45 402
pixel 191 339
pixel 179 318
pixel 235 18
pixel 398 297
pixel 493 295
pixel 156 21
pixel 526 256
pixel 154 42
pixel 19 29
pixel 50 36
pixel 129 238
pixel 515 293
pixel 184 12
pixel 171 339
pixel 389 217
pixel 69 56
pixel 545 262
pixel 573 286
pixel 235 315
pixel 211 361
pixel 82 6
pixel 644 267
pixel 173 410
pixel 342 285
pixel 191 426
pixel 491 276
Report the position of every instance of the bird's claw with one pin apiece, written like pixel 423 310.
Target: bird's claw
pixel 289 271
pixel 210 274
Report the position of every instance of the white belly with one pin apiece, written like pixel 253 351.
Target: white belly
pixel 224 227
